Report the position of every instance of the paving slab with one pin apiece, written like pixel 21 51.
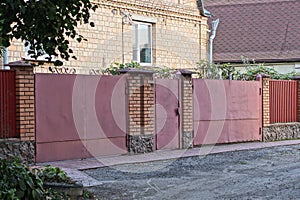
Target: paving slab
pixel 74 167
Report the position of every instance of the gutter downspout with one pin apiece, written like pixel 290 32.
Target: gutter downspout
pixel 5 59
pixel 211 39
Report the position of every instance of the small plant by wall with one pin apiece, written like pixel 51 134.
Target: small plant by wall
pixel 53 174
pixel 165 72
pixel 159 72
pixel 114 68
pixel 206 70
pixel 18 181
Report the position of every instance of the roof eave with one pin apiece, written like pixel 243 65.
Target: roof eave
pixel 289 60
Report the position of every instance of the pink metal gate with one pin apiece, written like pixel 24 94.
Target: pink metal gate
pixel 79 116
pixel 283 101
pixel 226 111
pixel 7 104
pixel 167 114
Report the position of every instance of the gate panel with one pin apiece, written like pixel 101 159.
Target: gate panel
pixel 226 111
pixel 79 116
pixel 167 113
pixel 7 104
pixel 283 101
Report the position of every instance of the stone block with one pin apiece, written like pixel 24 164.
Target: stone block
pixel 187 139
pixel 140 143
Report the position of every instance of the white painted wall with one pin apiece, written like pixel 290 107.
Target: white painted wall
pixel 282 68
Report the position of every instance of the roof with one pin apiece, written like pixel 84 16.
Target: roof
pixel 264 30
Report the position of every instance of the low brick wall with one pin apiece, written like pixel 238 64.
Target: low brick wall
pixel 25 150
pixel 284 131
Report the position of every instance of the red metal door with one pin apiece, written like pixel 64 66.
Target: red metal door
pixel 167 114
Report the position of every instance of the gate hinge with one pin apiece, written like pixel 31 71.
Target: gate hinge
pixel 260 131
pixel 260 91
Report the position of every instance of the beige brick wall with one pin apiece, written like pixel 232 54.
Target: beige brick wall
pixel 16 51
pixel 179 35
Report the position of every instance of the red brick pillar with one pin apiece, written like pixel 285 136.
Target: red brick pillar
pixel 265 80
pixel 25 101
pixel 140 110
pixel 186 98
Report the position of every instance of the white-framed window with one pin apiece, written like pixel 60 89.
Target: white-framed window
pixel 142 43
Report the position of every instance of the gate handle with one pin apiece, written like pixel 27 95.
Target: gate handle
pixel 177 111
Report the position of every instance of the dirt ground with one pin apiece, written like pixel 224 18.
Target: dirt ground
pixel 270 173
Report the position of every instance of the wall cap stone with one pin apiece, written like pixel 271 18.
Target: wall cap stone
pixel 284 124
pixel 20 63
pixel 185 72
pixel 136 71
pixel 10 140
pixel 296 78
pixel 262 76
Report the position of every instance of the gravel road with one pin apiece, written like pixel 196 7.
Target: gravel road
pixel 270 173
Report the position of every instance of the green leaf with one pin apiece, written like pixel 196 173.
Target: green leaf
pixel 20 194
pixel 22 185
pixel 23 20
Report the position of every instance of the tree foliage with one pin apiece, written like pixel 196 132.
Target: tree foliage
pixel 47 25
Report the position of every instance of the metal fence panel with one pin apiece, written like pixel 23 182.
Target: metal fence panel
pixel 283 101
pixel 7 104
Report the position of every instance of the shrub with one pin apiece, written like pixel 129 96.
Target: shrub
pixel 54 174
pixel 18 182
pixel 226 71
pixel 207 70
pixel 165 72
pixel 113 69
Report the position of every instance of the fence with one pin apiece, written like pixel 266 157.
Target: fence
pixel 7 104
pixel 79 116
pixel 283 101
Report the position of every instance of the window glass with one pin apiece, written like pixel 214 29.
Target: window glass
pixel 142 43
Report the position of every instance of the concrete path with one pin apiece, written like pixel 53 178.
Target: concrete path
pixel 74 167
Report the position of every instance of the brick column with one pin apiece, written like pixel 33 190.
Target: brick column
pixel 265 79
pixel 186 97
pixel 140 110
pixel 25 101
pixel 297 78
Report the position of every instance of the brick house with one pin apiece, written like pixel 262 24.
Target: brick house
pixel 170 33
pixel 265 30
